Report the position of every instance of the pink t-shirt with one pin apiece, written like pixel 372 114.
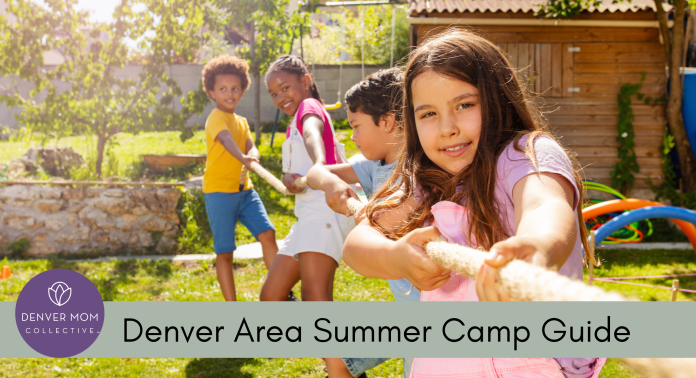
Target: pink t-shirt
pixel 313 106
pixel 452 221
pixel 514 165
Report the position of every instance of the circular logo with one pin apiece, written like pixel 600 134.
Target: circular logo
pixel 59 313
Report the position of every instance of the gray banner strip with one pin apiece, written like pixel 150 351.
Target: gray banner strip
pixel 655 329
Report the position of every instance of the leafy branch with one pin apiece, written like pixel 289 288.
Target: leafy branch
pixel 88 94
pixel 622 172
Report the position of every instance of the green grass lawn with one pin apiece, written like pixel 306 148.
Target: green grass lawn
pixel 630 263
pixel 124 153
pixel 196 281
pixel 163 280
pixel 126 150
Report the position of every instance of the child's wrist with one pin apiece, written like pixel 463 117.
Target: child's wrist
pixel 391 259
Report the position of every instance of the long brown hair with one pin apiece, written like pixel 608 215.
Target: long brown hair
pixel 506 116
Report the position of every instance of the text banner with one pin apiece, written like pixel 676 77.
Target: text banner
pixel 376 329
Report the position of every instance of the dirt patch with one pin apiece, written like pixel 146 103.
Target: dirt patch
pixel 187 264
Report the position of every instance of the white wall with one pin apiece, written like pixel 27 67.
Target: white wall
pixel 188 77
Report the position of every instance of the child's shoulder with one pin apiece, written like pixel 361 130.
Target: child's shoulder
pixel 241 120
pixel 544 147
pixel 311 102
pixel 311 106
pixel 545 155
pixel 231 120
pixel 216 115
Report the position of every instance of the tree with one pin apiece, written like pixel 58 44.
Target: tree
pixel 674 50
pixel 269 31
pixel 99 101
pixel 377 43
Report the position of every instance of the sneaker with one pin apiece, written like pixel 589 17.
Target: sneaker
pixel 292 297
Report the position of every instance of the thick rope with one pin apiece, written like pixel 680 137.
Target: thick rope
pixel 277 184
pixel 523 281
pixel 663 367
pixel 353 205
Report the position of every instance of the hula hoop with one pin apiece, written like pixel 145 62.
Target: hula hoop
pixel 644 213
pixel 628 234
pixel 591 185
pixel 635 237
pixel 634 204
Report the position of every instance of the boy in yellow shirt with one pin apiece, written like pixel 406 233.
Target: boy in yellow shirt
pixel 228 190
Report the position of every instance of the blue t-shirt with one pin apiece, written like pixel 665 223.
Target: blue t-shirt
pixel 372 175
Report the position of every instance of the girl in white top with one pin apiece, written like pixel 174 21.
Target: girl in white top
pixel 314 247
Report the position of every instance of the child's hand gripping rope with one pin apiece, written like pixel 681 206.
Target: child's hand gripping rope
pixel 527 282
pixel 277 184
pixel 523 281
pixel 353 205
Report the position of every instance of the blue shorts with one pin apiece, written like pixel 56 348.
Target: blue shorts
pixel 225 209
pixel 400 288
pixel 357 366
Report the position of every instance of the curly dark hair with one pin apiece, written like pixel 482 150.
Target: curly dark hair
pixel 225 65
pixel 295 65
pixel 378 94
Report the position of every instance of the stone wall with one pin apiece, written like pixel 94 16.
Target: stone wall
pixel 56 219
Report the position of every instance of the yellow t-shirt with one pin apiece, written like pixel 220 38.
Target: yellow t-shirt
pixel 223 172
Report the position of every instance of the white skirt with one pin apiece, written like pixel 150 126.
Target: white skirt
pixel 318 228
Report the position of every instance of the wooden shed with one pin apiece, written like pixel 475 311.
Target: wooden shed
pixel 578 66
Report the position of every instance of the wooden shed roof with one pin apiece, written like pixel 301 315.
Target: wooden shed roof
pixel 518 6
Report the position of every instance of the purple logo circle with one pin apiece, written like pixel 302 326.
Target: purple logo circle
pixel 59 313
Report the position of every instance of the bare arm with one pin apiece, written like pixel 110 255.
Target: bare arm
pixel 252 152
pixel 371 254
pixel 319 175
pixel 546 229
pixel 333 180
pixel 225 137
pixel 251 149
pixel 312 129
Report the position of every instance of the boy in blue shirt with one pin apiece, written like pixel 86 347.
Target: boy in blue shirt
pixel 374 115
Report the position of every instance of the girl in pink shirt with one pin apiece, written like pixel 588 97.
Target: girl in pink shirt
pixel 313 248
pixel 477 169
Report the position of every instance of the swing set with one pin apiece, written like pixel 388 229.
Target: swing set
pixel 338 103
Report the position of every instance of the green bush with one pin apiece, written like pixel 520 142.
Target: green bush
pixel 341 124
pixel 283 123
pixel 18 249
pixel 195 234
